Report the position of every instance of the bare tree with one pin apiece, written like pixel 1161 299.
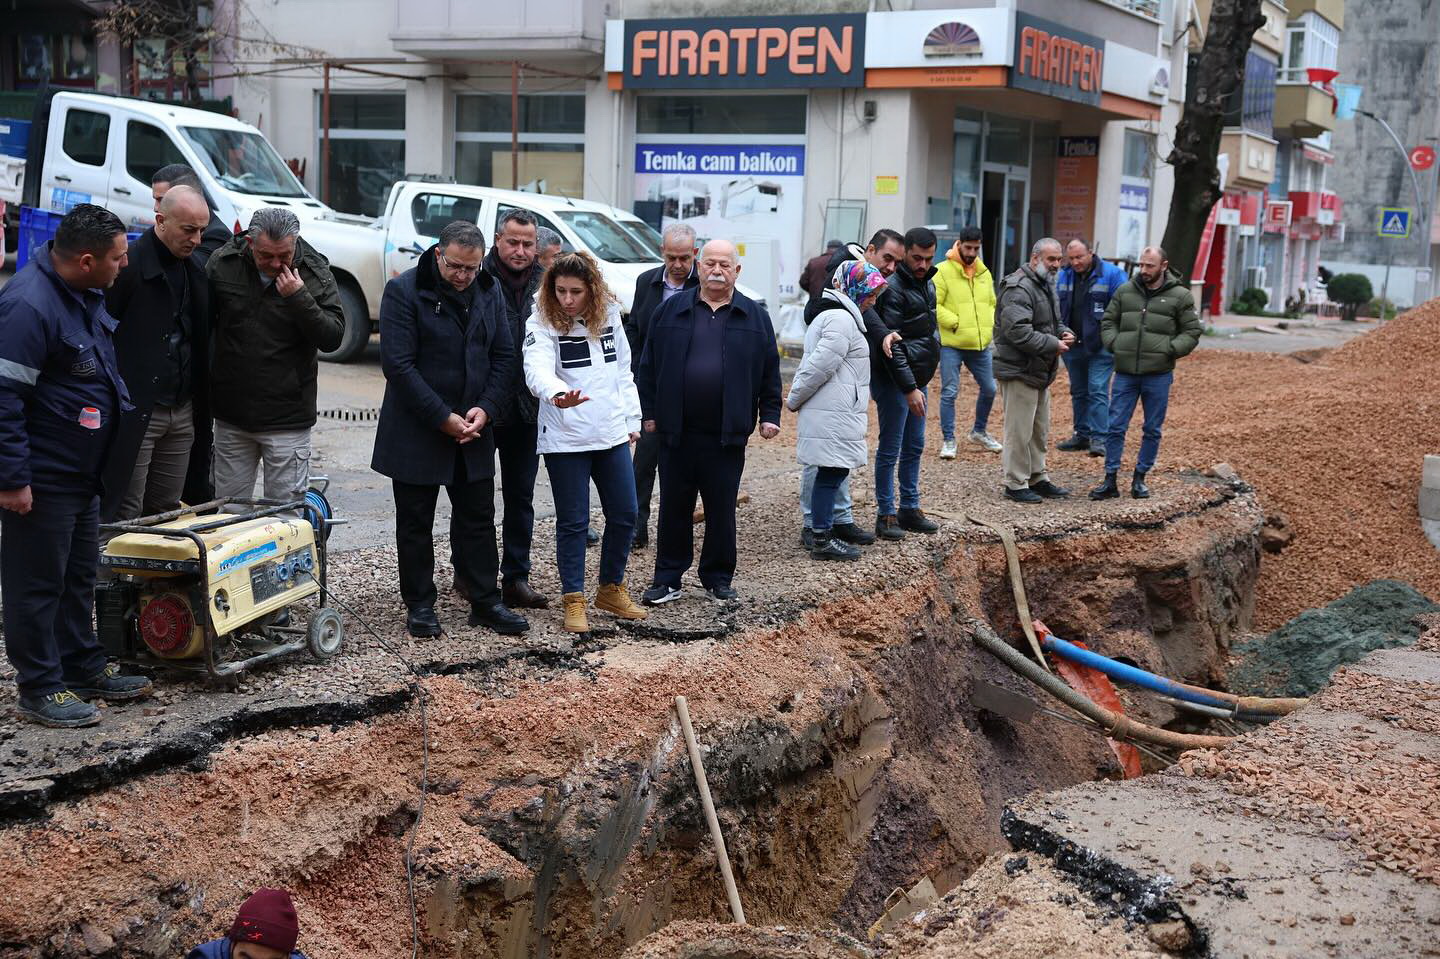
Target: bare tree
pixel 1213 79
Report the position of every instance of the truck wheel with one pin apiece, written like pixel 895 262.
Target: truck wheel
pixel 357 327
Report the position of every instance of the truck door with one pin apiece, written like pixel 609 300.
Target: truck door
pixel 416 222
pixel 78 152
pixel 144 148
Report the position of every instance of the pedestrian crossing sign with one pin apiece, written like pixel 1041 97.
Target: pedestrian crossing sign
pixel 1395 222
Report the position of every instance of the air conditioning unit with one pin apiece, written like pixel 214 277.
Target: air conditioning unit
pixel 1255 276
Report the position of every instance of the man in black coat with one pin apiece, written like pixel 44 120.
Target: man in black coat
pixel 653 289
pixel 161 301
pixel 449 360
pixel 514 264
pixel 897 384
pixel 217 234
pixel 710 372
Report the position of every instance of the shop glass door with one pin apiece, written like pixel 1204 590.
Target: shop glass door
pixel 1002 219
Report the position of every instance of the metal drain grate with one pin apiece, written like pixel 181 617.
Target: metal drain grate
pixel 351 414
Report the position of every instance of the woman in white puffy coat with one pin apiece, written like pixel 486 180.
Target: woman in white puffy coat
pixel 577 363
pixel 831 391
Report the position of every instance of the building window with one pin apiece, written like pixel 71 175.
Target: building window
pixel 1139 161
pixel 1253 105
pixel 367 149
pixel 552 141
pixel 762 114
pixel 63 59
pixel 1310 41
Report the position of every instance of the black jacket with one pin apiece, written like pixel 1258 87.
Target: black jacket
pixel 752 369
pixel 908 308
pixel 649 295
pixel 1028 328
pixel 216 235
pixel 436 363
pixel 265 360
pixel 143 303
pixel 520 406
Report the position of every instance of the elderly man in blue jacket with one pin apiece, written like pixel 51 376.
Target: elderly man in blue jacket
pixel 710 371
pixel 1084 288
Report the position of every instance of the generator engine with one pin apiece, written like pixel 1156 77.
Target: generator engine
pixel 182 584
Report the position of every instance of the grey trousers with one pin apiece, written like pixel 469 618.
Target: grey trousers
pixel 1027 431
pixel 161 464
pixel 283 455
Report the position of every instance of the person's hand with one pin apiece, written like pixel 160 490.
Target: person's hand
pixel 648 426
pixel 476 420
pixel 457 428
pixel 1064 345
pixel 1068 338
pixel 768 431
pixel 915 399
pixel 634 438
pixel 17 500
pixel 566 400
pixel 288 282
pixel 888 344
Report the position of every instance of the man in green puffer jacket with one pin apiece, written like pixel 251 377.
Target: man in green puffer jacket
pixel 1149 324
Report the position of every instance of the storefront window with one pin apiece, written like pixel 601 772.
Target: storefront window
pixel 1008 141
pixel 367 150
pixel 1136 198
pixel 969 135
pixel 551 130
pixel 1139 155
pixel 758 114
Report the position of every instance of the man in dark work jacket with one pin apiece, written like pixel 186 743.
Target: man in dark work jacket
pixel 711 370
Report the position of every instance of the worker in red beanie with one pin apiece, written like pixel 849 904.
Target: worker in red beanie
pixel 265 928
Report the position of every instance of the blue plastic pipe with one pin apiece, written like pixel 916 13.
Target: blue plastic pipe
pixel 1131 675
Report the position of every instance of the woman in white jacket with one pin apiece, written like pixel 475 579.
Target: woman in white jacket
pixel 830 390
pixel 577 363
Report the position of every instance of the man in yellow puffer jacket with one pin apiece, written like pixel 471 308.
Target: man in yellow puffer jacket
pixel 965 310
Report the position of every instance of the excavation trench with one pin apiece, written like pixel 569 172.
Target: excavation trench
pixel 842 745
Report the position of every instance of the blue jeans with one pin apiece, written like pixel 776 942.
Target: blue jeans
pixel 843 508
pixel 1152 390
pixel 822 500
pixel 1090 389
pixel 902 440
pixel 979 364
pixel 570 475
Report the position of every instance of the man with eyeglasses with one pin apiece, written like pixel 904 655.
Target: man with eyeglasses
pixel 448 359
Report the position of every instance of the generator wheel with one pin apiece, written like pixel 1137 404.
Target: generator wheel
pixel 326 634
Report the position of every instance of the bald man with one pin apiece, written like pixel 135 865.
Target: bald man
pixel 710 372
pixel 161 453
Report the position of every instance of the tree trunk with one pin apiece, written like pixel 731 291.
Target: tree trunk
pixel 1214 79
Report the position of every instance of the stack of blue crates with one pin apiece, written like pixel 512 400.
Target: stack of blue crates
pixel 37 227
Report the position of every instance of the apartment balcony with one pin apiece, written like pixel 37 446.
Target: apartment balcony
pixel 1252 159
pixel 463 29
pixel 1303 110
pixel 1332 10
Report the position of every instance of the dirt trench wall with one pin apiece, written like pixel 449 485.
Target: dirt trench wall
pixel 898 777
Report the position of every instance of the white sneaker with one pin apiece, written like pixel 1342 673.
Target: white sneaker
pixel 986 440
pixel 947 450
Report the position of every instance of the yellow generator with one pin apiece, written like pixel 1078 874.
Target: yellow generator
pixel 216 592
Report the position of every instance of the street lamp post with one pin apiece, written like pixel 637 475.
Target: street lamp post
pixel 1423 220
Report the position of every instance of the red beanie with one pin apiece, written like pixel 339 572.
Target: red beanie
pixel 267 919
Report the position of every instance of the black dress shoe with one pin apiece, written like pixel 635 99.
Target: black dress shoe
pixel 914 521
pixel 1023 496
pixel 421 622
pixel 1075 444
pixel 496 616
pixel 519 594
pixel 1049 490
pixel 642 538
pixel 852 534
pixel 1106 490
pixel 1138 489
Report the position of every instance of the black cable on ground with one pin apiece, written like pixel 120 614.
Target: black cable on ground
pixel 419 687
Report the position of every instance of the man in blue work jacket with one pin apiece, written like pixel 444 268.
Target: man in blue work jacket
pixel 1084 288
pixel 61 396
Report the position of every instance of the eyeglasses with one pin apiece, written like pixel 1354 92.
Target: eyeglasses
pixel 460 268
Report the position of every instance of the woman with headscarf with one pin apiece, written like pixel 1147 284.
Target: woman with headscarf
pixel 830 393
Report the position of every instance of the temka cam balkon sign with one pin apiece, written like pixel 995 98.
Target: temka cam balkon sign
pixel 818 51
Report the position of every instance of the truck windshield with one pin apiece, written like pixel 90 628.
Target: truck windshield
pixel 243 162
pixel 606 239
pixel 646 234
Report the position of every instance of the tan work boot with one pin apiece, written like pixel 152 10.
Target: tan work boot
pixel 613 598
pixel 575 621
